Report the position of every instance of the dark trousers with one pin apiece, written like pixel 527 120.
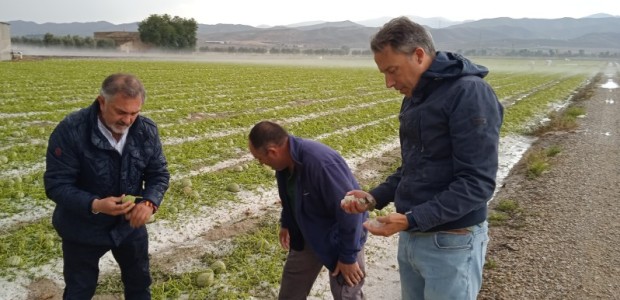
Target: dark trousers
pixel 301 270
pixel 81 267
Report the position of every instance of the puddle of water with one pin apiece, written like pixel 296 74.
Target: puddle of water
pixel 610 84
pixel 511 149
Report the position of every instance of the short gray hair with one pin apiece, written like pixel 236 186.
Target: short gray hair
pixel 122 83
pixel 404 36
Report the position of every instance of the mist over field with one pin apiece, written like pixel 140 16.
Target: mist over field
pixel 276 59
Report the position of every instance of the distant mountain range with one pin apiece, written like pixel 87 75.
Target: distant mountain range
pixel 600 32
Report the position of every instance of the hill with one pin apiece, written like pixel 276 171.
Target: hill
pixel 593 34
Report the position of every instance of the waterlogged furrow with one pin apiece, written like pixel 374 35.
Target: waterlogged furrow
pixel 193 154
pixel 518 118
pixel 214 125
pixel 522 85
pixel 347 131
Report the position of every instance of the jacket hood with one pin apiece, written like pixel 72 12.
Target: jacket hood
pixel 452 65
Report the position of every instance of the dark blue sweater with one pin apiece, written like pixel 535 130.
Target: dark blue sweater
pixel 323 179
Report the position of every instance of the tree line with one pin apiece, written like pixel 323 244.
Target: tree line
pixel 68 41
pixel 159 31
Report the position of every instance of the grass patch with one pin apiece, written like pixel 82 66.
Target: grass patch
pixel 561 121
pixel 507 206
pixel 497 218
pixel 553 151
pixel 537 164
pixel 505 211
pixel 538 161
pixel 490 264
pixel 566 120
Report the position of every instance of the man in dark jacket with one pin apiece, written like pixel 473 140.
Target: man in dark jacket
pixel 450 120
pixel 95 157
pixel 312 180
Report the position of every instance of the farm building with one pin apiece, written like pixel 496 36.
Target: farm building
pixel 5 41
pixel 124 41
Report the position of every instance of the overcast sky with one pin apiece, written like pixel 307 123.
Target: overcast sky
pixel 284 12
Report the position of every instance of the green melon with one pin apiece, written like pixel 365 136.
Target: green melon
pixel 205 278
pixel 186 182
pixel 128 198
pixel 233 187
pixel 218 267
pixel 14 261
pixel 187 190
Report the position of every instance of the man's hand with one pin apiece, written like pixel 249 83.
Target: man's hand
pixel 285 238
pixel 387 225
pixel 356 207
pixel 110 206
pixel 351 273
pixel 139 215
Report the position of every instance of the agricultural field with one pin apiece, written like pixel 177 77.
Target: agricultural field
pixel 221 210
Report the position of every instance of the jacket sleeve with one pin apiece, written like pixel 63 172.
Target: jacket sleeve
pixel 386 191
pixel 62 170
pixel 156 175
pixel 337 180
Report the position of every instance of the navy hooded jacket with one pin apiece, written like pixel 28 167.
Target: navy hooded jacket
pixel 81 166
pixel 449 136
pixel 323 179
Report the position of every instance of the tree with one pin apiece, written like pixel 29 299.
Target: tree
pixel 169 33
pixel 50 40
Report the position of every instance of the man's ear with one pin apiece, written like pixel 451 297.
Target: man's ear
pixel 418 54
pixel 273 150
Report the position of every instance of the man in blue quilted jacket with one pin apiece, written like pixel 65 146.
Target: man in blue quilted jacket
pixel 95 157
pixel 450 120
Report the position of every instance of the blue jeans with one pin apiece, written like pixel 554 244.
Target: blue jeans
pixel 442 265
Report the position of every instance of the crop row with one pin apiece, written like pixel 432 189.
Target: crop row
pixel 204 111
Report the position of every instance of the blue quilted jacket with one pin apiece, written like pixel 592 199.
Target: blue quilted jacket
pixel 82 166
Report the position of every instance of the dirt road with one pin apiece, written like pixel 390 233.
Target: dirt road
pixel 564 242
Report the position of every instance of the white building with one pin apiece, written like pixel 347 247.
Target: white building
pixel 5 41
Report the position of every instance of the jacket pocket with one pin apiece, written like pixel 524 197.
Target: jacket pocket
pixel 438 173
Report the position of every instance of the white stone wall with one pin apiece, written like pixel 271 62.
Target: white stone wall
pixel 5 41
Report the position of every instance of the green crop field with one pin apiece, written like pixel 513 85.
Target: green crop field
pixel 204 111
